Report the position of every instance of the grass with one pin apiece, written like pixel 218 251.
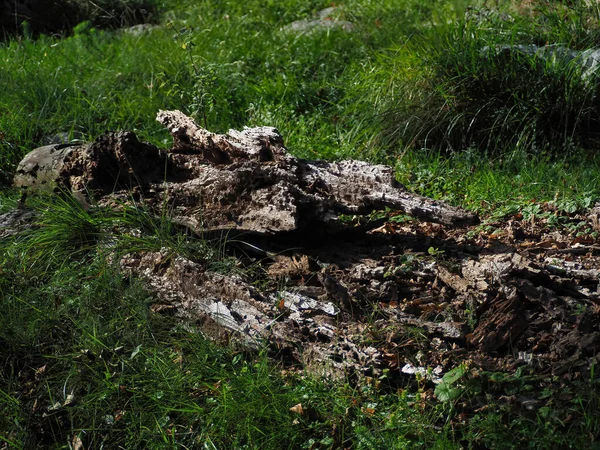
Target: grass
pixel 216 62
pixel 82 358
pixel 503 185
pixel 475 84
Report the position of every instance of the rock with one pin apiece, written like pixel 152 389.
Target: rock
pixel 326 19
pixel 15 221
pixel 62 138
pixel 42 167
pixel 140 29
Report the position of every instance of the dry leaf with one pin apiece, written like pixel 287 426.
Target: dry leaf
pixel 157 308
pixel 297 409
pixel 40 372
pixel 386 228
pixel 77 443
pixel 368 411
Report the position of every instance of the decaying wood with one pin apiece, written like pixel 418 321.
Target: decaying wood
pixel 336 306
pixel 244 180
pixel 519 312
pixel 226 308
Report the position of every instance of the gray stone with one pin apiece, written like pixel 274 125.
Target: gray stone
pixel 326 19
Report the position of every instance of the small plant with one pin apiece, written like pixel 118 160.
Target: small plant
pixel 449 388
pixel 432 251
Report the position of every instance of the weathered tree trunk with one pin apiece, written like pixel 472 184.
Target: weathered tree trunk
pixel 244 180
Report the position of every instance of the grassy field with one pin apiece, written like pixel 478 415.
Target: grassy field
pixel 415 84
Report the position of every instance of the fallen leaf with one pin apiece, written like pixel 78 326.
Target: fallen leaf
pixel 76 443
pixel 583 240
pixel 368 411
pixel 40 371
pixel 297 409
pixel 386 228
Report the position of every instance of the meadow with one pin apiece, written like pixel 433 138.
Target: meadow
pixel 432 88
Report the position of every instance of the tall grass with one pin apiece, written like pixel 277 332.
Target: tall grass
pixel 494 83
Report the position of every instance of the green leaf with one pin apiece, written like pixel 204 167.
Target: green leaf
pixel 445 392
pixel 454 375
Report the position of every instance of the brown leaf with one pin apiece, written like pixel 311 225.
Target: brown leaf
pixel 583 240
pixel 368 411
pixel 162 308
pixel 386 228
pixel 39 372
pixel 297 409
pixel 76 443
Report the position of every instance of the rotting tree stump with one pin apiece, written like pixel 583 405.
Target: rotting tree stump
pixel 243 181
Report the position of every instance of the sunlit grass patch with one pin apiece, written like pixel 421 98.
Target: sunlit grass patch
pixel 492 81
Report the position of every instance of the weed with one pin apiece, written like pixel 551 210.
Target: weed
pixel 432 251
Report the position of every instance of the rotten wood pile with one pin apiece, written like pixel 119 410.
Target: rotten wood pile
pixel 381 301
pixel 355 302
pixel 245 181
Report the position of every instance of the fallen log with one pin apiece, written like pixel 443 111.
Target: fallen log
pixel 247 181
pixel 244 180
